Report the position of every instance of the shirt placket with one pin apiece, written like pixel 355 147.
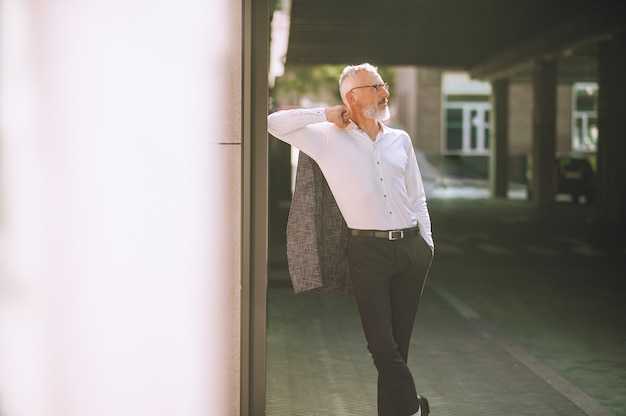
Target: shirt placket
pixel 384 186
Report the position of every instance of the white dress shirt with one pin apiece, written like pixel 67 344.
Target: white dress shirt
pixel 376 184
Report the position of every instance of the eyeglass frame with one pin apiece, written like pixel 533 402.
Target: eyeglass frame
pixel 376 87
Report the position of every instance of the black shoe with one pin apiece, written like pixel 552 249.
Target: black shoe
pixel 424 408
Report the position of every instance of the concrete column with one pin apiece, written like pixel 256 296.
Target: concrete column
pixel 428 114
pixel 610 205
pixel 255 209
pixel 405 100
pixel 544 132
pixel 499 158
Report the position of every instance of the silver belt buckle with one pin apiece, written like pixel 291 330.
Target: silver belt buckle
pixel 396 235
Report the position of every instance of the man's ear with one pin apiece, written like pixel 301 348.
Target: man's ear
pixel 350 98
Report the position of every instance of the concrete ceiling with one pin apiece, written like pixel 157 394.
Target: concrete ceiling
pixel 488 38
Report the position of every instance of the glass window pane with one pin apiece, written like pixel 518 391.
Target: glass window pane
pixel 454 129
pixel 586 98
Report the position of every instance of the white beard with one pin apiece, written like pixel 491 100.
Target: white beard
pixel 376 113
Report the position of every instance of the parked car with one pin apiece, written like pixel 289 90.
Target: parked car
pixel 575 176
pixel 572 175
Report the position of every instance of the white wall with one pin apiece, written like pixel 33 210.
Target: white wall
pixel 119 207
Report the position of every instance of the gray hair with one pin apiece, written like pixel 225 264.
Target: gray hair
pixel 349 73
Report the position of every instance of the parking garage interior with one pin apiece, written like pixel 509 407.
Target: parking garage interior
pixel 523 308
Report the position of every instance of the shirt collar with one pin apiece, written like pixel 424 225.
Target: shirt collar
pixel 353 126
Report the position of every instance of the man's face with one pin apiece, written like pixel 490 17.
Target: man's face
pixel 371 97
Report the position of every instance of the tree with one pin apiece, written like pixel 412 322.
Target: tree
pixel 317 84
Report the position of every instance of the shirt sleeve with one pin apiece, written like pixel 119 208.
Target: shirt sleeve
pixel 417 195
pixel 305 129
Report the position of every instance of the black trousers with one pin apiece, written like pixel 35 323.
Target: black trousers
pixel 387 280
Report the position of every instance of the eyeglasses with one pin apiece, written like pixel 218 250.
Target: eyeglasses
pixel 376 87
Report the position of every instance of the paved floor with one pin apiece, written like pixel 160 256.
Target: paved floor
pixel 523 315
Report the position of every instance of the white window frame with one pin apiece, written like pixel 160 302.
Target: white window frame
pixel 467 107
pixel 582 139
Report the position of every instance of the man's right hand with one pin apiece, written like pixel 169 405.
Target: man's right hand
pixel 339 115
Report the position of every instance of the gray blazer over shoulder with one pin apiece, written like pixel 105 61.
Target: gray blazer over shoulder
pixel 317 234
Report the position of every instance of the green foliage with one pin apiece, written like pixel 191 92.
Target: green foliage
pixel 319 83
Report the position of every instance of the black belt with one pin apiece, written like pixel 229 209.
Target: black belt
pixel 387 235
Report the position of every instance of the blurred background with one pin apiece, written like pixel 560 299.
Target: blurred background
pixel 521 154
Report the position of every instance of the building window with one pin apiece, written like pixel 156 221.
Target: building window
pixel 585 117
pixel 467 127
